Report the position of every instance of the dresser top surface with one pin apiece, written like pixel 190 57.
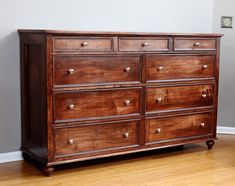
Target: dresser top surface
pixel 110 33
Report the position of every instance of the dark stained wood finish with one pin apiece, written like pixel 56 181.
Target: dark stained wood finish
pixel 180 97
pixel 83 70
pixel 114 88
pixel 84 139
pixel 173 128
pixel 96 104
pixel 181 43
pixel 175 67
pixel 143 44
pixel 82 44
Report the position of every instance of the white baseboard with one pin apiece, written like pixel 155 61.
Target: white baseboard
pixel 225 130
pixel 10 157
pixel 16 156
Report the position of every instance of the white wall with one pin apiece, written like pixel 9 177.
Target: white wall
pixel 116 15
pixel 227 63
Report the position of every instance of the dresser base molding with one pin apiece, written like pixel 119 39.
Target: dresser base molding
pixel 89 95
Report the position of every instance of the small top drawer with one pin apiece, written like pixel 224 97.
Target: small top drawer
pixel 181 43
pixel 83 44
pixel 136 44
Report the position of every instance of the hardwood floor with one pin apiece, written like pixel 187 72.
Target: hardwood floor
pixel 194 165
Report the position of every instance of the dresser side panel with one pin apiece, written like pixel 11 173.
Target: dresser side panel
pixel 34 95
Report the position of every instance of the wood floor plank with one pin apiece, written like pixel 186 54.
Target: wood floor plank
pixel 194 165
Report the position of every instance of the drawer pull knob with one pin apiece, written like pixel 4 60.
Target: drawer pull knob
pixel 127 69
pixel 158 130
pixel 204 67
pixel 204 96
pixel 71 106
pixel 70 141
pixel 127 102
pixel 71 71
pixel 126 135
pixel 159 100
pixel 145 44
pixel 203 124
pixel 197 44
pixel 160 69
pixel 84 43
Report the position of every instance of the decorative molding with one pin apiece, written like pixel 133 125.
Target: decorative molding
pixel 10 157
pixel 16 156
pixel 225 130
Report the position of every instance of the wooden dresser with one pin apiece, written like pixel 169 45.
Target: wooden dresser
pixel 89 95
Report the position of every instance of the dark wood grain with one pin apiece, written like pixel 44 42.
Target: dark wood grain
pixel 95 104
pixel 96 138
pixel 180 97
pixel 104 33
pixel 181 43
pixel 115 87
pixel 83 43
pixel 172 128
pixel 96 70
pixel 143 44
pixel 173 67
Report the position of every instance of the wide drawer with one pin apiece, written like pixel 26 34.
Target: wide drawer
pixel 181 43
pixel 143 44
pixel 180 97
pixel 82 43
pixel 81 70
pixel 99 137
pixel 178 127
pixel 173 67
pixel 96 104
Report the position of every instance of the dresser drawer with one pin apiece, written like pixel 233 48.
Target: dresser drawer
pixel 80 70
pixel 96 104
pixel 163 129
pixel 180 97
pixel 173 67
pixel 181 43
pixel 143 44
pixel 82 43
pixel 85 139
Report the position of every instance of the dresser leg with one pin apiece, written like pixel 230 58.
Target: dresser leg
pixel 48 170
pixel 26 157
pixel 210 144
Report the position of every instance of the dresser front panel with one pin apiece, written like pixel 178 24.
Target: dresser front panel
pixel 96 104
pixel 141 44
pixel 85 44
pixel 159 99
pixel 178 127
pixel 194 43
pixel 96 69
pixel 179 67
pixel 94 138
